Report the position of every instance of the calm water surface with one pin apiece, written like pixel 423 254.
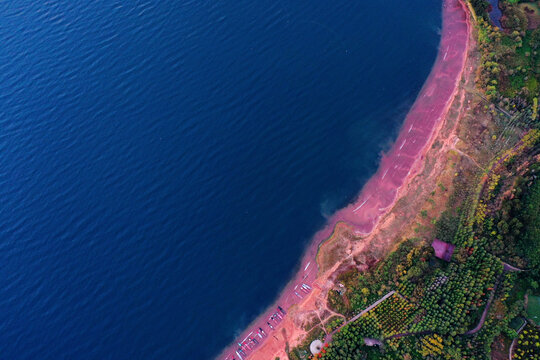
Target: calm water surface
pixel 495 14
pixel 164 163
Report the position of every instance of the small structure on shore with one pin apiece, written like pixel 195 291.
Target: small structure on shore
pixel 316 346
pixel 443 250
pixel 341 289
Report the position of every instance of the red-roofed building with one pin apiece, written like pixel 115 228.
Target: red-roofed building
pixel 442 249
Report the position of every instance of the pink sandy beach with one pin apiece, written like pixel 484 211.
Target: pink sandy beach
pixel 381 192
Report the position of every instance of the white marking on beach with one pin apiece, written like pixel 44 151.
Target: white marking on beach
pixel 384 174
pixel 358 208
pixel 404 141
pixel 307 266
pixel 410 128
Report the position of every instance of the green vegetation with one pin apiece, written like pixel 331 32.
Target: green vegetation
pixel 391 317
pixel 515 230
pixel 533 309
pixel 528 345
pixel 456 310
pixel 516 323
pixel 509 68
pixel 408 262
pixel 333 323
pixel 439 308
pixel 480 7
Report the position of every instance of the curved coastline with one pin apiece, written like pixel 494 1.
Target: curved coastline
pixel 397 167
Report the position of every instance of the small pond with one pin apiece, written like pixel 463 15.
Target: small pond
pixel 495 14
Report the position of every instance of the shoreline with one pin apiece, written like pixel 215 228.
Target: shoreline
pixel 381 192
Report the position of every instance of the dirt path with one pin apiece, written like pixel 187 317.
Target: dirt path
pixel 467 156
pixel 509 267
pixel 506 267
pixel 359 315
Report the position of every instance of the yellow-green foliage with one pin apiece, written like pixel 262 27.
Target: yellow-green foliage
pixel 528 141
pixel 471 9
pixel 480 215
pixel 482 31
pixel 431 345
pixel 493 182
pixel 528 344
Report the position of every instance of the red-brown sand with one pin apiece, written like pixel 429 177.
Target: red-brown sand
pixel 381 192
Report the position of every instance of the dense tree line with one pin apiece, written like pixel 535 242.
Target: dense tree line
pixel 437 302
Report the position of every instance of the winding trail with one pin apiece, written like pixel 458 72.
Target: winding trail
pixel 480 324
pixel 486 309
pixel 405 160
pixel 508 267
pixel 515 340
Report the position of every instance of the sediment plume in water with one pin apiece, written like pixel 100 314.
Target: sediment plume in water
pixel 381 191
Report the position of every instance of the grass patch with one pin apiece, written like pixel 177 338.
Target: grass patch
pixel 533 308
pixel 516 323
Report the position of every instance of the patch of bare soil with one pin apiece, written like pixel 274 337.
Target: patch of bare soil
pixel 500 348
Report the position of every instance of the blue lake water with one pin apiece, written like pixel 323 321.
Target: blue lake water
pixel 164 163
